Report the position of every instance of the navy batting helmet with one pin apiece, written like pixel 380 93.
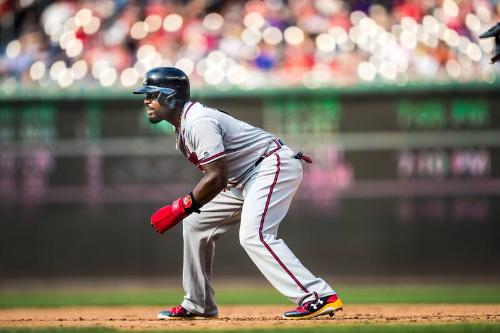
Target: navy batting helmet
pixel 169 82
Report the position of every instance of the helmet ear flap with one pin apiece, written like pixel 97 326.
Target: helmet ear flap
pixel 168 101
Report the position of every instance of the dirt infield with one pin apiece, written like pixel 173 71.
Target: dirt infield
pixel 244 316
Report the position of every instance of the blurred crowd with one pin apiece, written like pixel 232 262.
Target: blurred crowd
pixel 247 44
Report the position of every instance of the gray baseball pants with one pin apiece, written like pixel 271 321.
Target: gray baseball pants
pixel 259 204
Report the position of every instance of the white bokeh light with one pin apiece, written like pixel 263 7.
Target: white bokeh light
pixel 65 78
pixel 186 65
pixel 356 17
pixel 25 3
pixel 463 44
pixel 93 25
pixel 272 35
pixel 408 39
pixel 213 21
pixel 450 8
pixel 214 75
pixel 216 58
pixel 409 24
pixel 401 64
pixel 56 69
pixel 366 38
pixel 387 40
pixel 251 36
pixel 439 14
pixel 66 38
pixel 201 67
pixel 142 67
pixel 431 41
pixel 254 20
pixel 402 79
pixel 453 68
pixel 488 74
pixel 139 30
pixel 74 48
pixel 451 37
pixel 129 77
pixel 13 49
pixel 366 71
pixel 294 35
pixel 79 69
pixel 153 22
pixel 325 42
pixel 396 30
pixel 9 86
pixel 388 70
pixel 368 26
pixel 108 77
pixel 484 13
pixel 146 52
pixel 328 7
pixel 70 25
pixel 487 45
pixel 37 70
pixel 354 34
pixel 172 22
pixel 98 67
pixel 431 24
pixel 55 33
pixel 465 62
pixel 50 25
pixel 472 22
pixel 249 52
pixel 228 64
pixel 317 77
pixel 474 52
pixel 165 63
pixel 339 34
pixel 237 74
pixel 156 60
pixel 83 17
pixel 348 46
pixel 376 61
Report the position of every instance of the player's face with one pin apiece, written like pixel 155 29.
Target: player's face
pixel 155 111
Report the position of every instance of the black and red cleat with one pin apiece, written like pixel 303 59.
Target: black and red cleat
pixel 180 312
pixel 322 306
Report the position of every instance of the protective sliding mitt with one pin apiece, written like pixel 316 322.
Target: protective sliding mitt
pixel 168 216
pixel 493 32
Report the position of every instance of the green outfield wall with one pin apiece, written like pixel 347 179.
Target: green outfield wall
pixel 405 181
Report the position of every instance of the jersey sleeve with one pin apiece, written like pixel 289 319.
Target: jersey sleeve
pixel 206 140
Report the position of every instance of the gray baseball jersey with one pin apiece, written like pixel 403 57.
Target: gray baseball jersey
pixel 259 198
pixel 207 134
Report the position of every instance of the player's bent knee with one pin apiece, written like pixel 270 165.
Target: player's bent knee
pixel 249 240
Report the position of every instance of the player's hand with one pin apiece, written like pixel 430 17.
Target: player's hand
pixel 168 216
pixel 494 32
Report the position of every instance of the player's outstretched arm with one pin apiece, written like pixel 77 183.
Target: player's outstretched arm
pixel 214 181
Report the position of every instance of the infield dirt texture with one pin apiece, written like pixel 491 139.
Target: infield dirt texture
pixel 447 308
pixel 244 316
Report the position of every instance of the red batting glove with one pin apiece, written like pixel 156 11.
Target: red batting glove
pixel 168 216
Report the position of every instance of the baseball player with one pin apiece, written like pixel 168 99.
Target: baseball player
pixel 249 177
pixel 495 33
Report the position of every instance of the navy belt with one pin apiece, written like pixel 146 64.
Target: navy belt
pixel 279 143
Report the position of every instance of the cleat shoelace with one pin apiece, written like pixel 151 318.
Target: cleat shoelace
pixel 311 306
pixel 303 308
pixel 179 310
